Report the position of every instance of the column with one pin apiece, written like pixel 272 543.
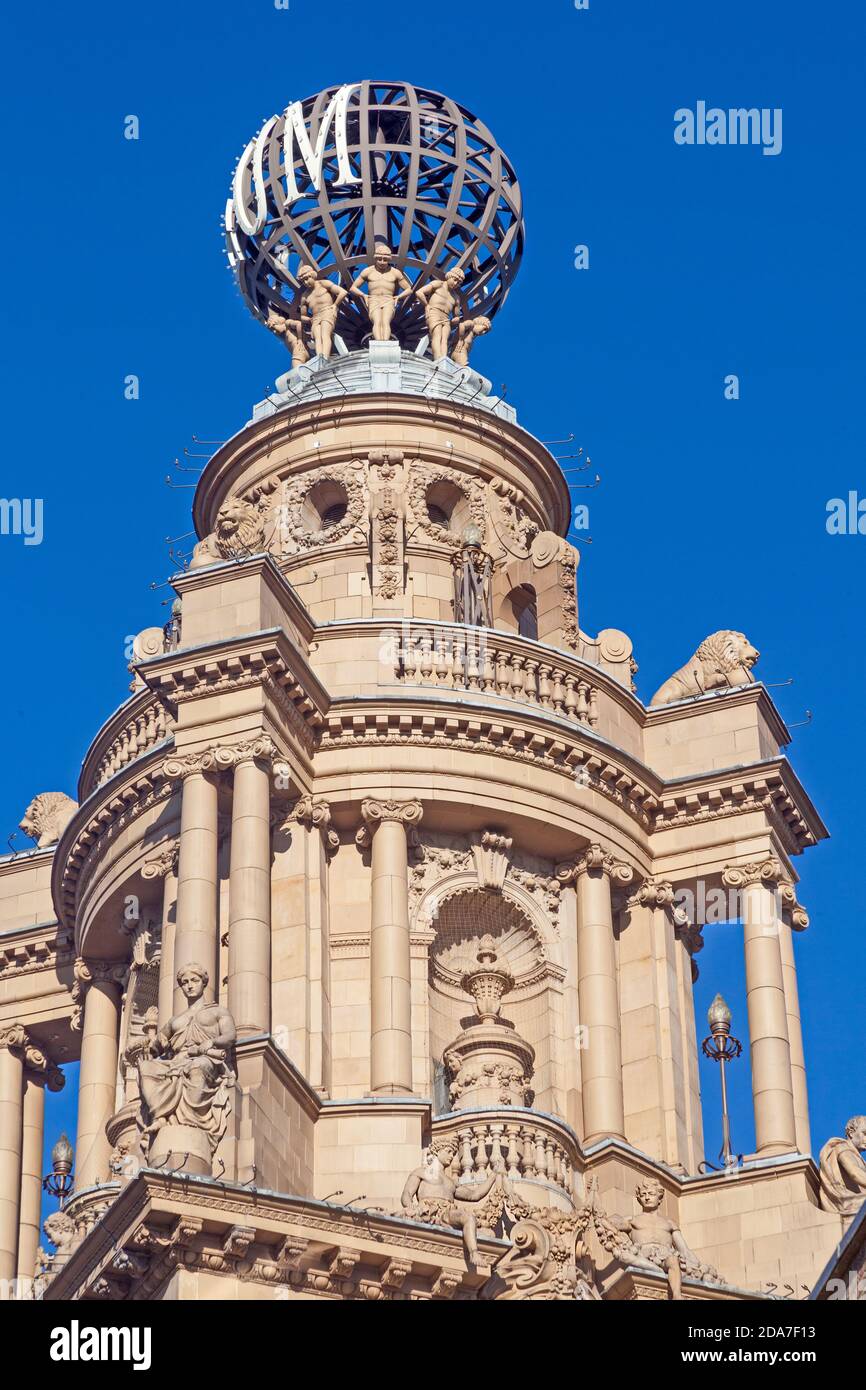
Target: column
pixel 795 1037
pixel 12 1043
pixel 164 866
pixel 40 1073
pixel 770 1049
pixel 249 991
pixel 385 827
pixel 98 1074
pixel 196 937
pixel 598 995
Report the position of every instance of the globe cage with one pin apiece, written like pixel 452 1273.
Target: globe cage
pixel 427 179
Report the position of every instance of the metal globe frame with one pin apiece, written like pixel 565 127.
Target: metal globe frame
pixel 427 178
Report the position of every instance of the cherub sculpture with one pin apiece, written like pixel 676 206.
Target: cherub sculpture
pixel 467 332
pixel 292 333
pixel 441 309
pixel 431 1194
pixel 650 1240
pixel 319 300
pixel 382 298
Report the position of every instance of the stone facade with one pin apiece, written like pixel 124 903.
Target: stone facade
pixel 323 794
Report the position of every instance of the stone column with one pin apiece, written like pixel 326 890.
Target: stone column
pixel 799 921
pixel 597 992
pixel 196 935
pixel 39 1073
pixel 249 993
pixel 385 827
pixel 164 866
pixel 13 1040
pixel 770 1048
pixel 97 1083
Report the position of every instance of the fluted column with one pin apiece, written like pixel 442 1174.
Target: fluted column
pixel 12 1044
pixel 97 1083
pixel 597 992
pixel 770 1048
pixel 249 990
pixel 196 937
pixel 164 866
pixel 39 1073
pixel 385 827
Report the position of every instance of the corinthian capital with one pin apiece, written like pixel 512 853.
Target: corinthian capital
pixel 768 871
pixel 373 813
pixel 656 892
pixel 87 971
pixel 595 859
pixel 221 758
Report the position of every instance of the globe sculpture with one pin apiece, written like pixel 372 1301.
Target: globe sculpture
pixel 367 164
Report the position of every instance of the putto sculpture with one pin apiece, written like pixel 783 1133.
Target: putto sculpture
pixel 843 1171
pixel 651 1240
pixel 47 817
pixel 441 309
pixel 381 300
pixel 319 301
pixel 185 1079
pixel 432 1195
pixel 724 659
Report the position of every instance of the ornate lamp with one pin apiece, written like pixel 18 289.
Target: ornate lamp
pixel 59 1180
pixel 722 1047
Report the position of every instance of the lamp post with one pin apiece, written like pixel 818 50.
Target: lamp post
pixel 722 1047
pixel 59 1180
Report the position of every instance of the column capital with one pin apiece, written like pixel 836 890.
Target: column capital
pixel 771 873
pixel 223 757
pixel 87 971
pixel 314 814
pixel 15 1037
pixel 374 813
pixel 163 862
pixel 595 859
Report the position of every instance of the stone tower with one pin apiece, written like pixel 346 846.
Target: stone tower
pixel 372 894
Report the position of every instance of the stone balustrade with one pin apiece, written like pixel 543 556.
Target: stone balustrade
pixel 493 663
pixel 136 727
pixel 522 1144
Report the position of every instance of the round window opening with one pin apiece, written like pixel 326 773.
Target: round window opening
pixel 325 506
pixel 447 506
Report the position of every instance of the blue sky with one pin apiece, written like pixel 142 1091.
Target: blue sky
pixel 704 261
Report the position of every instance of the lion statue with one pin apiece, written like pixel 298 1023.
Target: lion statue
pixel 726 658
pixel 47 817
pixel 239 531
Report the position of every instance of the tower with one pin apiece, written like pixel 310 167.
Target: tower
pixel 373 894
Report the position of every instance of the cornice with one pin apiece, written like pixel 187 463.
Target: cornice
pixel 25 950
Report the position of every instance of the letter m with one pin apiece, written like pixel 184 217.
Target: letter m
pixel 744 126
pixel 295 132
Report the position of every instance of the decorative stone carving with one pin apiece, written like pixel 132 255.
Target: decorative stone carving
pixel 239 532
pixel 19 1042
pixel 843 1171
pixel 292 333
pixel 467 332
pixel 548 1261
pixel 297 515
pixel 595 859
pixel 409 813
pixel 386 537
pixel 441 307
pixel 489 1062
pixel 650 1240
pixel 313 813
pixel 84 972
pixel 222 758
pixel 319 301
pixel 422 478
pixel 432 1195
pixel 490 850
pixel 163 862
pixel 770 872
pixel 724 659
pixel 381 300
pixel 185 1078
pixel 514 528
pixel 47 817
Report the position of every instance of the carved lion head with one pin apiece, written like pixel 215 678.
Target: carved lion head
pixel 47 817
pixel 728 651
pixel 239 528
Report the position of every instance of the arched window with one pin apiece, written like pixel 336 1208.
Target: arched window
pixel 521 607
